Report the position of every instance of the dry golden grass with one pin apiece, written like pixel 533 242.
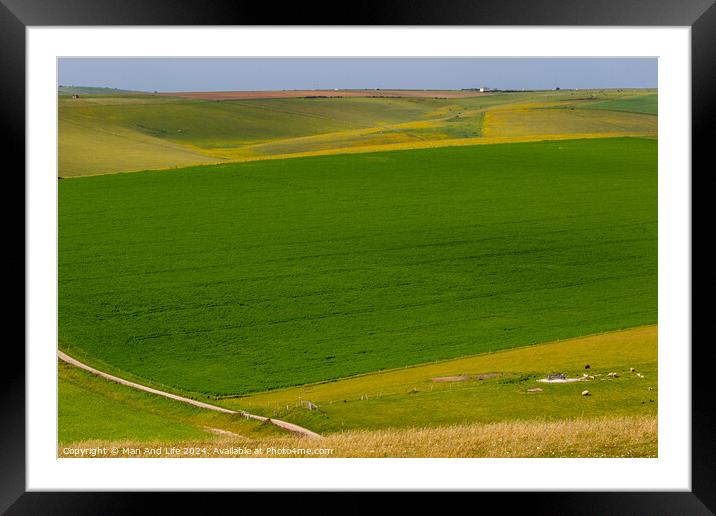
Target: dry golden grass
pixel 243 155
pixel 510 123
pixel 337 142
pixel 119 149
pixel 602 437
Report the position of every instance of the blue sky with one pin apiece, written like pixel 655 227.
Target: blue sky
pixel 221 74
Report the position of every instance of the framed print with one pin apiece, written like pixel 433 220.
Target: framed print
pixel 449 251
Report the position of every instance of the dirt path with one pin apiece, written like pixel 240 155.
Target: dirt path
pixel 277 422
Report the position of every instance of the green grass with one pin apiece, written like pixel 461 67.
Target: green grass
pixel 210 124
pixel 640 104
pixel 92 90
pixel 118 132
pixel 630 101
pixel 93 408
pixel 95 149
pixel 409 398
pixel 247 277
pixel 107 134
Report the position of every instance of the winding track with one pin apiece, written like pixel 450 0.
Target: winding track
pixel 277 422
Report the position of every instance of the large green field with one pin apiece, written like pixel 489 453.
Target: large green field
pixel 246 277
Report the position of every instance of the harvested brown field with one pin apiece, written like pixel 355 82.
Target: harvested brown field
pixel 600 437
pixel 285 94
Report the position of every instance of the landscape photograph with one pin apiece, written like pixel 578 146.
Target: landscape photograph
pixel 357 257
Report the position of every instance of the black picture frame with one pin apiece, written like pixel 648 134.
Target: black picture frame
pixel 700 15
